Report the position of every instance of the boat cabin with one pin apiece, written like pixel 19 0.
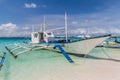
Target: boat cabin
pixel 40 37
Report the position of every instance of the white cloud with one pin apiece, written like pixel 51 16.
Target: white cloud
pixel 8 26
pixel 13 30
pixel 94 23
pixel 30 5
pixel 82 24
pixel 8 29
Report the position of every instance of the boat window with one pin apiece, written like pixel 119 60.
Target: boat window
pixel 49 33
pixel 35 35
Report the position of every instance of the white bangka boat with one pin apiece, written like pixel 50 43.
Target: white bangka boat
pixel 46 40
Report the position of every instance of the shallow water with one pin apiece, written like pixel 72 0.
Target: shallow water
pixel 47 65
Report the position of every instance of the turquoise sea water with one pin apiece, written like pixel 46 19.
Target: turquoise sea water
pixel 38 65
pixel 31 63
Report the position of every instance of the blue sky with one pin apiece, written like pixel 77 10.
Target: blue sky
pixel 84 16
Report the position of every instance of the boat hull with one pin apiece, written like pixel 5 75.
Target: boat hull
pixel 83 47
pixel 80 47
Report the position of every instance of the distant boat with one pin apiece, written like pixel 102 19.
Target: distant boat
pixel 110 44
pixel 84 36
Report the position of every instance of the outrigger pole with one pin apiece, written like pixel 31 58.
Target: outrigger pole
pixel 2 60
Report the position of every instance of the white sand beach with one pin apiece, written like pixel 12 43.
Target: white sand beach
pixel 48 65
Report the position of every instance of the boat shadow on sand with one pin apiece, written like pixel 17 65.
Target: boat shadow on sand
pixel 94 57
pixel 88 56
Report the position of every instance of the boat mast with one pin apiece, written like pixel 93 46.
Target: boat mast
pixel 66 31
pixel 44 25
pixel 41 28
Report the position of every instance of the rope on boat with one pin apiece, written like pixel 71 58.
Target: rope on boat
pixel 64 53
pixel 106 53
pixel 2 60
